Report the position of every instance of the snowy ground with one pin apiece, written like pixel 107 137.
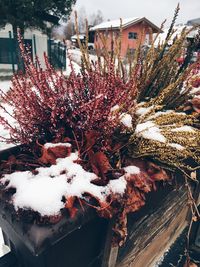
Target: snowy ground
pixel 76 56
pixel 76 67
pixel 4 86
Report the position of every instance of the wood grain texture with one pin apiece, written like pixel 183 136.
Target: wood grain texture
pixel 154 233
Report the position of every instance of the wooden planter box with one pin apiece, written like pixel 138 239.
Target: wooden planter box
pixel 85 241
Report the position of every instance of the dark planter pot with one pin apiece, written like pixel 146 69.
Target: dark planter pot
pixel 74 243
pixel 77 242
pixel 86 240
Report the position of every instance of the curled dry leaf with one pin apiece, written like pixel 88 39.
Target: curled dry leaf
pixel 196 104
pixel 156 172
pixel 50 154
pixel 69 205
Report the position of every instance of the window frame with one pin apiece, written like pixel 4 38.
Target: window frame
pixel 132 35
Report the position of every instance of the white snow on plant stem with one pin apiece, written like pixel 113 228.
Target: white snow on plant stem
pixel 160 113
pixel 43 191
pixel 195 90
pixel 132 169
pixel 114 108
pixel 144 126
pixel 177 146
pixel 48 145
pixel 141 111
pixel 149 130
pixel 126 120
pixel 185 128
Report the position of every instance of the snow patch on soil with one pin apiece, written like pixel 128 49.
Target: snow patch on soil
pixel 44 191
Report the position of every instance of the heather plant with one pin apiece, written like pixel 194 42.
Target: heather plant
pixel 48 106
pixel 88 110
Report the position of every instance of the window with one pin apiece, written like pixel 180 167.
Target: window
pixel 132 35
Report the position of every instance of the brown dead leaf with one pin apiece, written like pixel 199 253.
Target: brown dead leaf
pixel 91 138
pixel 49 155
pixel 69 205
pixel 156 172
pixel 102 162
pixel 196 104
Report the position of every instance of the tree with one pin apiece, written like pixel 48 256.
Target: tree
pixel 33 13
pixel 82 16
pixel 69 29
pixel 96 18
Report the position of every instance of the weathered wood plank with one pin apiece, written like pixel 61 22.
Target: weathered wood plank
pixel 110 253
pixel 154 233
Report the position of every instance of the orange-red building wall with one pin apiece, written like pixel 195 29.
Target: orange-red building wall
pixel 142 29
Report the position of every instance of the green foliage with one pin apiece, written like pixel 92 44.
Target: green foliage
pixel 34 13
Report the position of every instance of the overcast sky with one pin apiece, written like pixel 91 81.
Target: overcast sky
pixel 155 10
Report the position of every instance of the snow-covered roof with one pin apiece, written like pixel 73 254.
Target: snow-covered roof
pixel 178 30
pixel 81 36
pixel 126 22
pixel 115 23
pixel 194 21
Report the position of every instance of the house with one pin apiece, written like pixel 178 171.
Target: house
pixel 178 29
pixel 134 31
pixel 34 38
pixel 39 44
pixel 194 22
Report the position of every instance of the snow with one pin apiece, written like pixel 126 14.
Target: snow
pixel 183 129
pixel 117 186
pixel 160 113
pixel 4 133
pixel 141 111
pixel 76 56
pixel 195 91
pixel 81 37
pixel 178 30
pixel 177 146
pixel 143 126
pixel 126 120
pixel 43 192
pixel 149 130
pixel 5 86
pixel 76 67
pixel 115 23
pixel 115 108
pixel 48 145
pixel 132 169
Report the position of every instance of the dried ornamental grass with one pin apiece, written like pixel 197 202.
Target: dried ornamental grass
pixel 168 137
